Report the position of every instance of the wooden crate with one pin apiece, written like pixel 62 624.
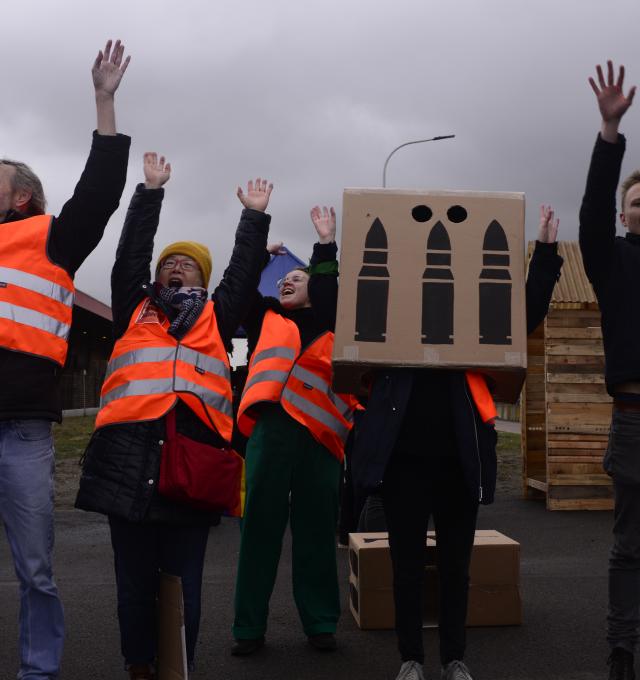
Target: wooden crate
pixel 567 412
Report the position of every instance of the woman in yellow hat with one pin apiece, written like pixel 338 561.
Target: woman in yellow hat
pixel 168 379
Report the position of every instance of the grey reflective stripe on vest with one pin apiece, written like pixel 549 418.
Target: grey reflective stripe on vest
pixel 145 355
pixel 282 352
pixel 217 401
pixel 316 412
pixel 267 376
pixel 29 317
pixel 316 381
pixel 37 284
pixel 138 388
pixel 203 361
pixel 143 388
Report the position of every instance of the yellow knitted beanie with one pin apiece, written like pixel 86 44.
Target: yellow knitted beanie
pixel 196 251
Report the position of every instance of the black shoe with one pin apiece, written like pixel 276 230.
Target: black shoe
pixel 323 642
pixel 246 647
pixel 620 663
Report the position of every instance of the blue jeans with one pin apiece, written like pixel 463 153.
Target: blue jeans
pixel 26 508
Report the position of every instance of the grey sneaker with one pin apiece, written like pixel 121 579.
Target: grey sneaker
pixel 456 670
pixel 410 670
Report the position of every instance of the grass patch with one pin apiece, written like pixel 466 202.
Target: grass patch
pixel 508 444
pixel 72 437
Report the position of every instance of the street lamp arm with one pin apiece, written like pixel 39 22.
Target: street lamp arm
pixel 417 141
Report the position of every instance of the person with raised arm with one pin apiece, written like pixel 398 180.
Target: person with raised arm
pixel 39 257
pixel 168 381
pixel 612 264
pixel 297 428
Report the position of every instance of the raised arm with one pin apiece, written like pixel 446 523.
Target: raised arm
pixel 323 268
pixel 135 248
pixel 598 210
pixel 83 218
pixel 544 269
pixel 235 294
pixel 107 73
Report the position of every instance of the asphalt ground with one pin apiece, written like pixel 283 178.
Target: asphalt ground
pixel 563 582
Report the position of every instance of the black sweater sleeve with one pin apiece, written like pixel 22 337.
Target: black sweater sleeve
pixel 598 210
pixel 83 218
pixel 133 257
pixel 323 285
pixel 235 293
pixel 544 272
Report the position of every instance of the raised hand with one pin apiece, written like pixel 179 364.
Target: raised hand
pixel 107 72
pixel 325 223
pixel 108 68
pixel 276 248
pixel 548 227
pixel 156 171
pixel 257 196
pixel 611 100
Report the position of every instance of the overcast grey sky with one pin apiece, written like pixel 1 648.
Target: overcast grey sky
pixel 314 95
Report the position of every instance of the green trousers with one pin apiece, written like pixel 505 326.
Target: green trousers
pixel 288 476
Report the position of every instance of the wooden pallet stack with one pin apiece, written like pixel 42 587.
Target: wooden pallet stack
pixel 566 409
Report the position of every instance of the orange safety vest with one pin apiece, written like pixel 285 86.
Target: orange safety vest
pixel 481 396
pixel 300 382
pixel 36 295
pixel 150 369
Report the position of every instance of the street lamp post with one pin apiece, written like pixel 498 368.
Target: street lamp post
pixel 417 141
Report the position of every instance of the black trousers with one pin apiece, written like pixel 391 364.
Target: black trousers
pixel 416 488
pixel 140 552
pixel 622 462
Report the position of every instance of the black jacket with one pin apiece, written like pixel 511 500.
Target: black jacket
pixel 473 440
pixel 612 264
pixel 30 385
pixel 122 462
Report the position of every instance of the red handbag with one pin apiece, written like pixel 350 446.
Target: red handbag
pixel 200 475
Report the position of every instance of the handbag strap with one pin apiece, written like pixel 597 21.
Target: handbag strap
pixel 170 422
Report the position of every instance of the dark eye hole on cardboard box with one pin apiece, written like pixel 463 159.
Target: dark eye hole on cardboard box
pixel 422 213
pixel 456 214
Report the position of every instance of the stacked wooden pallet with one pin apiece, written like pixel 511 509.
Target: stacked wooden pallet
pixel 568 411
pixel 578 411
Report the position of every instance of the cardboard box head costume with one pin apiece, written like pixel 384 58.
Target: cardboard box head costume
pixel 432 280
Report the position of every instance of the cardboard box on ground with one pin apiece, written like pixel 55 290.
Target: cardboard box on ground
pixel 432 280
pixel 494 581
pixel 172 652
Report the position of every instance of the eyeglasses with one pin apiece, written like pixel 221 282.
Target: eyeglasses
pixel 186 265
pixel 294 279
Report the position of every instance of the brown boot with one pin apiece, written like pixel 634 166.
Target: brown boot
pixel 142 671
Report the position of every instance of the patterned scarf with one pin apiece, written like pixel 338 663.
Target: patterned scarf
pixel 187 302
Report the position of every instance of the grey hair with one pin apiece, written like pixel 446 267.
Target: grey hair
pixel 24 179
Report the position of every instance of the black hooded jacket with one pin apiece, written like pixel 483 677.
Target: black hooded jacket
pixel 439 407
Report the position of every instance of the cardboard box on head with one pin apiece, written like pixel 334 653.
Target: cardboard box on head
pixel 432 280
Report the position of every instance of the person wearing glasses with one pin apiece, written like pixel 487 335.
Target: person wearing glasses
pixel 169 362
pixel 297 428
